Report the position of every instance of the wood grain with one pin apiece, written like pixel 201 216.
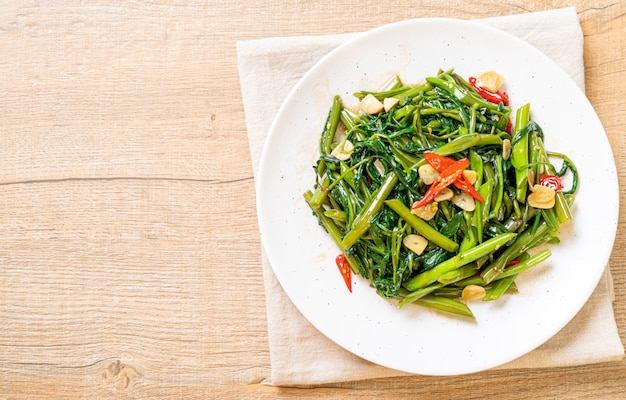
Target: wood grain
pixel 129 248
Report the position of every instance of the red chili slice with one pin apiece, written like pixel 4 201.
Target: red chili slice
pixel 344 268
pixel 445 179
pixel 512 263
pixel 494 97
pixel 463 184
pixel 440 163
pixel 551 181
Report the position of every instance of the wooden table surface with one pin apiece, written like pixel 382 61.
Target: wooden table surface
pixel 130 263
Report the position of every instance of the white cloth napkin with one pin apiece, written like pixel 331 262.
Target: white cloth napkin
pixel 299 354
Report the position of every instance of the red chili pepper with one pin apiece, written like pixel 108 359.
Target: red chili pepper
pixel 494 97
pixel 440 163
pixel 551 181
pixel 463 184
pixel 344 268
pixel 445 179
pixel 511 263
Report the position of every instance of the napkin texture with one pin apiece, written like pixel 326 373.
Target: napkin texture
pixel 299 354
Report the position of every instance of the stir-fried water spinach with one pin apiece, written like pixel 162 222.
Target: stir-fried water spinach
pixel 434 195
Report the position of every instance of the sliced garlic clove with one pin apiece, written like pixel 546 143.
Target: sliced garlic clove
pixel 426 212
pixel 390 102
pixel 445 194
pixel 343 151
pixel 416 243
pixel 470 175
pixel 428 174
pixel 541 197
pixel 506 149
pixel 371 105
pixel 473 292
pixel 490 80
pixel 464 201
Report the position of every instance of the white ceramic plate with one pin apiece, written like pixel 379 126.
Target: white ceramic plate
pixel 414 339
